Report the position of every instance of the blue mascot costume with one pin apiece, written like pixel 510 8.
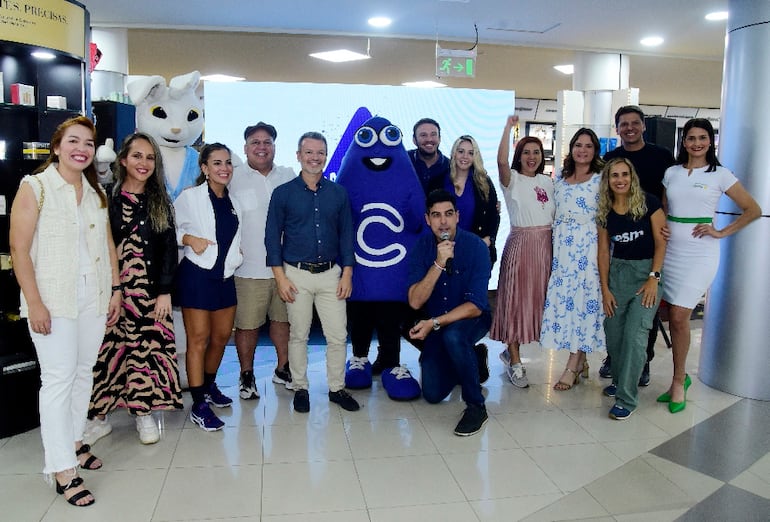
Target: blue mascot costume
pixel 388 206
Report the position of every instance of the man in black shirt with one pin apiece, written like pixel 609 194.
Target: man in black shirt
pixel 650 162
pixel 427 159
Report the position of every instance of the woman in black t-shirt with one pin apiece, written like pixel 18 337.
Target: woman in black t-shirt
pixel 629 223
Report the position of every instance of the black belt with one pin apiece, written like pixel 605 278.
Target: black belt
pixel 314 268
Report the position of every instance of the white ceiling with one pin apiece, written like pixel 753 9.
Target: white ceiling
pixel 593 25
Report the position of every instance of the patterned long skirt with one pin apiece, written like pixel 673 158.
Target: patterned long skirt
pixel 137 366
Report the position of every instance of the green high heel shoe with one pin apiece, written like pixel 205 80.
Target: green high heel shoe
pixel 666 397
pixel 676 407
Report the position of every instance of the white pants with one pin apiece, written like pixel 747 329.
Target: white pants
pixel 67 356
pixel 321 290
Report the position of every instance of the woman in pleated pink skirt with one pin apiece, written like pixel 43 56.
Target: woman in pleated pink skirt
pixel 525 265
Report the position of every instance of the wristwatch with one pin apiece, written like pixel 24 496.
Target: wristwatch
pixel 656 275
pixel 436 324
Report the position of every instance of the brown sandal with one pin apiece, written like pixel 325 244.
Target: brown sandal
pixel 564 386
pixel 89 463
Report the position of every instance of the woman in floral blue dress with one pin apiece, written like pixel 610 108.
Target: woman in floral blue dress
pixel 573 315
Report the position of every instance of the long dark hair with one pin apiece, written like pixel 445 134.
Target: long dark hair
pixel 204 157
pixel 516 163
pixel 711 155
pixel 90 171
pixel 568 169
pixel 158 200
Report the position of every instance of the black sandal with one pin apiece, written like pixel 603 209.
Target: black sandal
pixel 89 463
pixel 75 482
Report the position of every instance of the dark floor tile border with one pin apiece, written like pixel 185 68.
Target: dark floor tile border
pixel 725 444
pixel 729 503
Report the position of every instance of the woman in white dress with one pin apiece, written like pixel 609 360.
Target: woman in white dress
pixel 573 314
pixel 526 261
pixel 693 188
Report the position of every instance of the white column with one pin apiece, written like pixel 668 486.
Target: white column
pixel 108 80
pixel 734 353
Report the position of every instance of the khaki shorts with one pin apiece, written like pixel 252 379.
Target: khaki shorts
pixel 257 300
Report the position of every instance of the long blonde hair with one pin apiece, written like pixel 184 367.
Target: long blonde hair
pixel 480 179
pixel 637 203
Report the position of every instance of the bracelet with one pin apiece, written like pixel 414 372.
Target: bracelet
pixel 439 266
pixel 117 288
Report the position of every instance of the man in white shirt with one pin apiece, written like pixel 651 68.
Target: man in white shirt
pixel 252 185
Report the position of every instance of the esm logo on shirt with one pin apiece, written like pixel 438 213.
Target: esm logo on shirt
pixel 628 237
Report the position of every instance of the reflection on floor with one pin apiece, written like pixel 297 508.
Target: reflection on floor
pixel 544 455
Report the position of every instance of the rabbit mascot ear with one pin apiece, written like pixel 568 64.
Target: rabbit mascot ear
pixel 173 116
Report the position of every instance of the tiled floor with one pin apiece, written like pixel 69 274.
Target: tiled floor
pixel 543 455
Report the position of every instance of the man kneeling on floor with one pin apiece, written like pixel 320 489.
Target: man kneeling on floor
pixel 448 275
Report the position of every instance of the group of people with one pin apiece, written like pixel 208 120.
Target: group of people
pixel 588 251
pixel 99 271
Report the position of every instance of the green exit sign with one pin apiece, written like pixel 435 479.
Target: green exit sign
pixel 455 63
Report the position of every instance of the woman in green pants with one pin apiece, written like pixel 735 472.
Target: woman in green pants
pixel 631 252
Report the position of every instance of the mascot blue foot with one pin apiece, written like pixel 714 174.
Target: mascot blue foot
pixel 400 384
pixel 358 373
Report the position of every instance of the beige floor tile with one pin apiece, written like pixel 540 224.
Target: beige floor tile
pixel 753 483
pixel 389 438
pixel 454 512
pixel 657 516
pixel 331 516
pixel 634 487
pixel 121 450
pixel 596 422
pixel 230 446
pixel 696 485
pixel 310 487
pixel 25 497
pixel 572 467
pixel 627 450
pixel 116 493
pixel 511 509
pixel 543 428
pixel 22 453
pixel 305 442
pixel 199 493
pixel 491 437
pixel 577 505
pixel 407 481
pixel 499 474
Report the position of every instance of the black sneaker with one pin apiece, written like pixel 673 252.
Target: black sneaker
pixel 344 399
pixel 606 370
pixel 472 421
pixel 248 386
pixel 282 375
pixel 301 401
pixel 644 380
pixel 481 357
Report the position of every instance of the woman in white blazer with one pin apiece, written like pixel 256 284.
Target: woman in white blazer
pixel 208 227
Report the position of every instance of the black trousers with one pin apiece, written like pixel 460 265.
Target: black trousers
pixel 384 317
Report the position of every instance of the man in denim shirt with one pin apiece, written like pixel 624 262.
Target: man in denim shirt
pixel 448 275
pixel 309 241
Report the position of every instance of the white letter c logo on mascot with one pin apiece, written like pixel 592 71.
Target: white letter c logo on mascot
pixel 396 227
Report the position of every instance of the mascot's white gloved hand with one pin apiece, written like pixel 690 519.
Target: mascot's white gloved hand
pixel 105 155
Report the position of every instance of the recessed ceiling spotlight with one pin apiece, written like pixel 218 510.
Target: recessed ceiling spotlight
pixel 223 78
pixel 651 41
pixel 43 55
pixel 340 55
pixel 425 84
pixel 565 69
pixel 379 21
pixel 717 15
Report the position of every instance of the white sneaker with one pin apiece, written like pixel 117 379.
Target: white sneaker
pixel 518 375
pixel 148 429
pixel 96 428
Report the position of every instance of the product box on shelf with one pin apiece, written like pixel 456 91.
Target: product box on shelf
pixel 22 94
pixel 56 102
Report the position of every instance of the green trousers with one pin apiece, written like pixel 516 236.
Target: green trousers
pixel 627 331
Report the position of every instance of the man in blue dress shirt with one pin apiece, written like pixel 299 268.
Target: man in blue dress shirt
pixel 449 272
pixel 428 161
pixel 309 241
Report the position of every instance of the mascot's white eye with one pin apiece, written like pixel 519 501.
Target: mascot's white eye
pixel 193 115
pixel 366 137
pixel 158 112
pixel 390 135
